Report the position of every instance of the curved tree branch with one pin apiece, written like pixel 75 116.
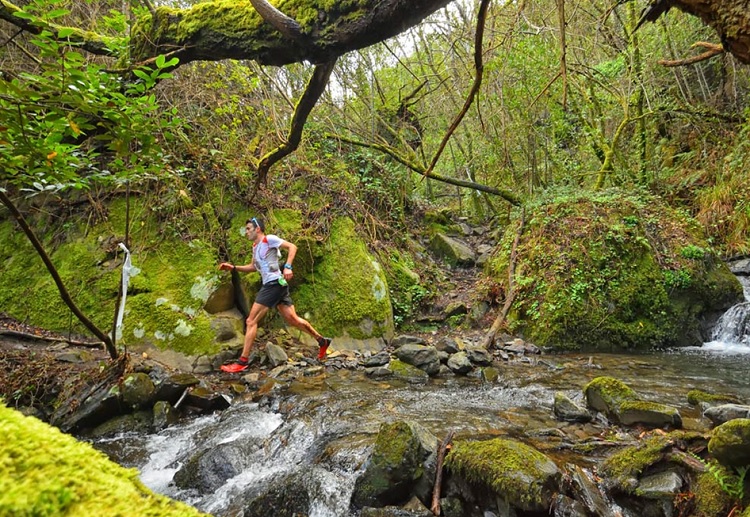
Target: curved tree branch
pixel 313 91
pixel 479 67
pixel 507 195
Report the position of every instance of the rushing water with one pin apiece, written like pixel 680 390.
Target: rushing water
pixel 320 430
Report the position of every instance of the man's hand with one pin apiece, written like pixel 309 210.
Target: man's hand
pixel 226 266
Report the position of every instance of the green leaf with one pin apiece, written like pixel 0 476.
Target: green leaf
pixel 57 13
pixel 65 32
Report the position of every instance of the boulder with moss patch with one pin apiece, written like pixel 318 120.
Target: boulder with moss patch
pixel 606 395
pixel 610 271
pixel 730 443
pixel 46 472
pixel 403 457
pixel 513 471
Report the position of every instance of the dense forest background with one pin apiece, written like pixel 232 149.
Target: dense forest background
pixel 570 99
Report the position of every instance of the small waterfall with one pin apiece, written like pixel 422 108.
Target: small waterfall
pixel 732 331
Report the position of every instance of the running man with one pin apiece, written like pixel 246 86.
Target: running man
pixel 275 290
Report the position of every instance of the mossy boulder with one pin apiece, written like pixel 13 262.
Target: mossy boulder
pixel 46 472
pixel 622 470
pixel 606 395
pixel 346 293
pixel 730 443
pixel 698 397
pixel 512 470
pixel 649 413
pixel 611 271
pixel 396 465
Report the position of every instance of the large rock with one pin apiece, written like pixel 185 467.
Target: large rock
pixel 726 412
pixel 650 414
pixel 612 271
pixel 606 395
pixel 453 251
pixel 511 470
pixel 730 443
pixel 404 456
pixel 421 356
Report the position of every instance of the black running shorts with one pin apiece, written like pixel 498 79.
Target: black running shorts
pixel 272 294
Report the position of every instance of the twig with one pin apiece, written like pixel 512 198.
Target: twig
pixel 26 335
pixel 444 447
pixel 713 50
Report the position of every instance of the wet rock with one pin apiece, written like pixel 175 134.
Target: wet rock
pixel 740 267
pixel 138 422
pixel 564 506
pixel 588 493
pixel 490 374
pixel 726 412
pixel 285 372
pixel 276 355
pixel 286 497
pixel 379 372
pixel 138 390
pixel 650 414
pixel 517 346
pixel 567 410
pixel 401 458
pixel 730 443
pixel 421 356
pixel 205 399
pixel 453 251
pixel 478 356
pixel 212 467
pixel 313 371
pixel 451 507
pixel 402 340
pixel 371 345
pixel 663 485
pixel 379 359
pixel 164 415
pixel 391 511
pixel 171 388
pixel 459 363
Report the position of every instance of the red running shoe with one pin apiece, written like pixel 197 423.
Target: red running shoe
pixel 234 367
pixel 323 343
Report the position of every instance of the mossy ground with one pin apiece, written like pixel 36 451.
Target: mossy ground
pixel 46 472
pixel 611 270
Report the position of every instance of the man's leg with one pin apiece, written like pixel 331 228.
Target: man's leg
pixel 257 311
pixel 291 317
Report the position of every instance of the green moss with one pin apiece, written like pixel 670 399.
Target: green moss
pixel 46 472
pixel 631 462
pixel 695 397
pixel 514 471
pixel 608 270
pixel 346 288
pixel 609 391
pixel 710 499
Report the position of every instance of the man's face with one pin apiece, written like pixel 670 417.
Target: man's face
pixel 250 231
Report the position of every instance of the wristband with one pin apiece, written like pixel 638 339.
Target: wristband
pixel 288 266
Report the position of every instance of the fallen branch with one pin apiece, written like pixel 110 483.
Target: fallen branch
pixel 445 446
pixel 511 293
pixel 57 339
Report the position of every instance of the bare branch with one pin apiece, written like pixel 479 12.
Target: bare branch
pixel 713 50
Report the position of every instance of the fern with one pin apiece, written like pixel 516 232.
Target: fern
pixel 733 484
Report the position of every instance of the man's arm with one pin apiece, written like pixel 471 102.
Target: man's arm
pixel 247 268
pixel 291 251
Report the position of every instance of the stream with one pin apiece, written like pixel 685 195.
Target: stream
pixel 319 430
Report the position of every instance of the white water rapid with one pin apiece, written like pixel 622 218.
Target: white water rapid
pixel 732 331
